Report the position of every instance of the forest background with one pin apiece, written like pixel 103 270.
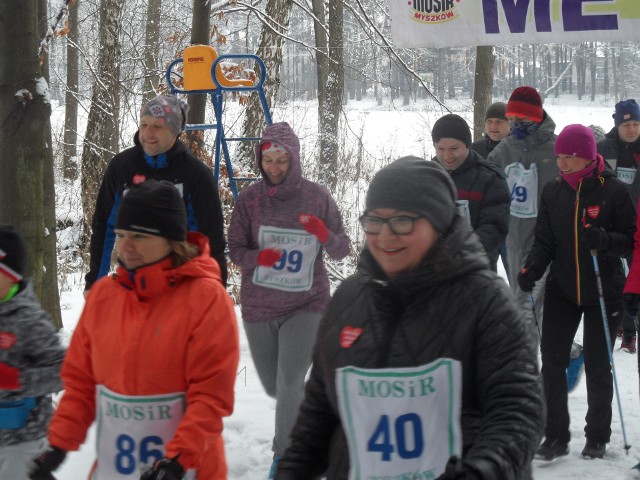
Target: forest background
pixel 99 60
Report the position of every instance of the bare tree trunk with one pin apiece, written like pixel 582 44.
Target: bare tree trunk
pixel 101 137
pixel 592 70
pixel 482 87
pixel 69 156
pixel 151 46
pixel 321 46
pixel 200 27
pixel 277 15
pixel 24 129
pixel 47 290
pixel 330 117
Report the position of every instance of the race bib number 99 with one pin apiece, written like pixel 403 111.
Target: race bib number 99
pixel 401 422
pixel 294 271
pixel 523 184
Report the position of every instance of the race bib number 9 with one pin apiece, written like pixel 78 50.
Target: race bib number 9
pixel 401 422
pixel 132 432
pixel 523 184
pixel 294 271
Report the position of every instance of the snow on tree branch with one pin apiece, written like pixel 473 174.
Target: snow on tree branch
pixel 53 30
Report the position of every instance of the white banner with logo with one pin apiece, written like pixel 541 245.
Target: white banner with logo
pixel 448 23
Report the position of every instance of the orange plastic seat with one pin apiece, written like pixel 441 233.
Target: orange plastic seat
pixel 197 61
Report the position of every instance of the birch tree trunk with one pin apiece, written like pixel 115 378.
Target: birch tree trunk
pixel 101 137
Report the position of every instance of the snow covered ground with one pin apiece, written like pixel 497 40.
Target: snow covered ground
pixel 391 132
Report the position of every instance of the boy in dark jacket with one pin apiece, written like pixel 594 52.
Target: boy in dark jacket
pixel 482 187
pixel 585 213
pixel 30 361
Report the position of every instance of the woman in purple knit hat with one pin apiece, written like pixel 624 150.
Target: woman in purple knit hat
pixel 279 229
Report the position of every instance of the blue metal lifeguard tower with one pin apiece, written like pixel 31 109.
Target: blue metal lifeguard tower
pixel 202 73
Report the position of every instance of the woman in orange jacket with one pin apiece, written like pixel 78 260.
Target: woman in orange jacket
pixel 154 356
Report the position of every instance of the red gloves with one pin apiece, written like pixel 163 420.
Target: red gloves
pixel 268 257
pixel 9 377
pixel 314 226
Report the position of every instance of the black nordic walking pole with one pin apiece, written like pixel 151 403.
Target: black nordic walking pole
pixel 535 317
pixel 594 255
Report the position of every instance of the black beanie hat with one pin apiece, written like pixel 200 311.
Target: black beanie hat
pixel 451 126
pixel 496 110
pixel 415 185
pixel 153 207
pixel 13 253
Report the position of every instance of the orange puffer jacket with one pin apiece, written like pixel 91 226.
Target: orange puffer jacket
pixel 159 330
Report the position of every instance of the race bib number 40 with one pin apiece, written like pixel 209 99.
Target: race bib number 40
pixel 401 422
pixel 523 184
pixel 132 432
pixel 294 271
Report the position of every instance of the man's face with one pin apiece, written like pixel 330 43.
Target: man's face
pixel 496 128
pixel 155 137
pixel 629 131
pixel 451 152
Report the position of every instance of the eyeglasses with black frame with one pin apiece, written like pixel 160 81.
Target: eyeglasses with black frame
pixel 400 225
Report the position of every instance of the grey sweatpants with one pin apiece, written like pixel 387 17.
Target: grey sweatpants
pixel 16 460
pixel 282 351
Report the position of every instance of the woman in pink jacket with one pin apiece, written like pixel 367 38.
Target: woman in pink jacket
pixel 279 229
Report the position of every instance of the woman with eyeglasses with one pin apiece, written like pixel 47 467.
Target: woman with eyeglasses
pixel 423 366
pixel 280 227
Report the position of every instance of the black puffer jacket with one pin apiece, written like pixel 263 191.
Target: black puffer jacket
pixel 484 186
pixel 484 146
pixel 602 201
pixel 451 306
pixel 625 155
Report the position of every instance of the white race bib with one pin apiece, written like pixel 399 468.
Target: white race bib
pixel 401 422
pixel 294 271
pixel 523 185
pixel 626 175
pixel 132 432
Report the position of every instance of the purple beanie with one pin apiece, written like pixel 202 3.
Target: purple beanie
pixel 577 141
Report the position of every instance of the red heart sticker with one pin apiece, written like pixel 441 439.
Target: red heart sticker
pixel 593 211
pixel 138 179
pixel 7 340
pixel 348 336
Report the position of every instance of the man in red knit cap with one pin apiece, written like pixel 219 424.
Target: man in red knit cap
pixel 528 160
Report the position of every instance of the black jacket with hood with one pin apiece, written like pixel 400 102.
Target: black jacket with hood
pixel 192 178
pixel 451 306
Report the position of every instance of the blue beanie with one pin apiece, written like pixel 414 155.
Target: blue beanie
pixel 626 110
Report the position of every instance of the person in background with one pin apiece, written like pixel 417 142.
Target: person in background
pixel 279 229
pixel 482 189
pixel 528 160
pixel 586 212
pixel 154 356
pixel 424 366
pixel 30 360
pixel 621 148
pixel 157 154
pixel 496 127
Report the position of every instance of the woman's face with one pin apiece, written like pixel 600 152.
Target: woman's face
pixel 570 164
pixel 136 249
pixel 275 165
pixel 400 253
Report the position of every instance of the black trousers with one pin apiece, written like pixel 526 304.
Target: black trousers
pixel 561 320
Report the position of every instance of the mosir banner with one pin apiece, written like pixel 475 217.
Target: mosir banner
pixel 448 23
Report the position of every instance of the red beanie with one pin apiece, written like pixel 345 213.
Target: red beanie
pixel 576 141
pixel 525 102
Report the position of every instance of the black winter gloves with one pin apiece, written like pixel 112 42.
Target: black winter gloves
pixel 47 462
pixel 631 303
pixel 164 469
pixel 596 238
pixel 527 279
pixel 457 470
